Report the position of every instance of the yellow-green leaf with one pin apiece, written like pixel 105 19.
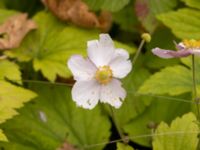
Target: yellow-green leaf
pixel 54 118
pixel 192 3
pixel 11 98
pixel 51 45
pixel 173 80
pixel 161 109
pixel 184 23
pixel 10 70
pixel 181 134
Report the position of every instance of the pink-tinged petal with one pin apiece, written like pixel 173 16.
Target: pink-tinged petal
pixel 82 69
pixel 120 67
pixel 86 94
pixel 180 46
pixel 113 93
pixel 196 51
pixel 101 52
pixel 171 54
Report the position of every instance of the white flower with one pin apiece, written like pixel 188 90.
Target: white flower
pixel 98 75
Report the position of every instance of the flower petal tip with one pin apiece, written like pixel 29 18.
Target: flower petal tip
pixel 104 35
pixel 171 53
pixel 163 53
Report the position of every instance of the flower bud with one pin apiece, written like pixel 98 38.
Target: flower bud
pixel 146 37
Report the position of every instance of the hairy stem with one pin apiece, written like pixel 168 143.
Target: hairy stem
pixel 195 98
pixel 119 129
pixel 138 51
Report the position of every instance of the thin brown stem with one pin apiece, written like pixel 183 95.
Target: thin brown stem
pixel 119 129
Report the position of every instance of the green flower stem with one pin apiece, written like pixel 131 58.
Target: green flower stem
pixel 138 51
pixel 195 98
pixel 119 129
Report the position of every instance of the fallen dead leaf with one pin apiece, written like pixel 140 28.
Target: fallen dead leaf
pixel 105 21
pixel 14 29
pixel 78 13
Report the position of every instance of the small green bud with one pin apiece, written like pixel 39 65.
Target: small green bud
pixel 146 37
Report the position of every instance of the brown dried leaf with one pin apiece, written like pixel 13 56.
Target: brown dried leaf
pixel 105 21
pixel 66 146
pixel 14 29
pixel 78 13
pixel 59 7
pixel 75 11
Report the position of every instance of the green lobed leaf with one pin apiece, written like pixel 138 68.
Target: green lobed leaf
pixel 53 118
pixel 181 134
pixel 12 97
pixel 51 45
pixel 162 6
pixel 184 23
pixel 121 146
pixel 111 5
pixel 161 109
pixel 192 3
pixel 173 80
pixel 10 70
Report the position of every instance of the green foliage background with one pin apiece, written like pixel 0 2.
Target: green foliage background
pixel 158 112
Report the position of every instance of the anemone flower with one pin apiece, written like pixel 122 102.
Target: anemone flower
pixel 98 76
pixel 184 49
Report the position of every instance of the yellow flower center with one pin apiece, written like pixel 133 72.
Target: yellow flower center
pixel 192 43
pixel 104 75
